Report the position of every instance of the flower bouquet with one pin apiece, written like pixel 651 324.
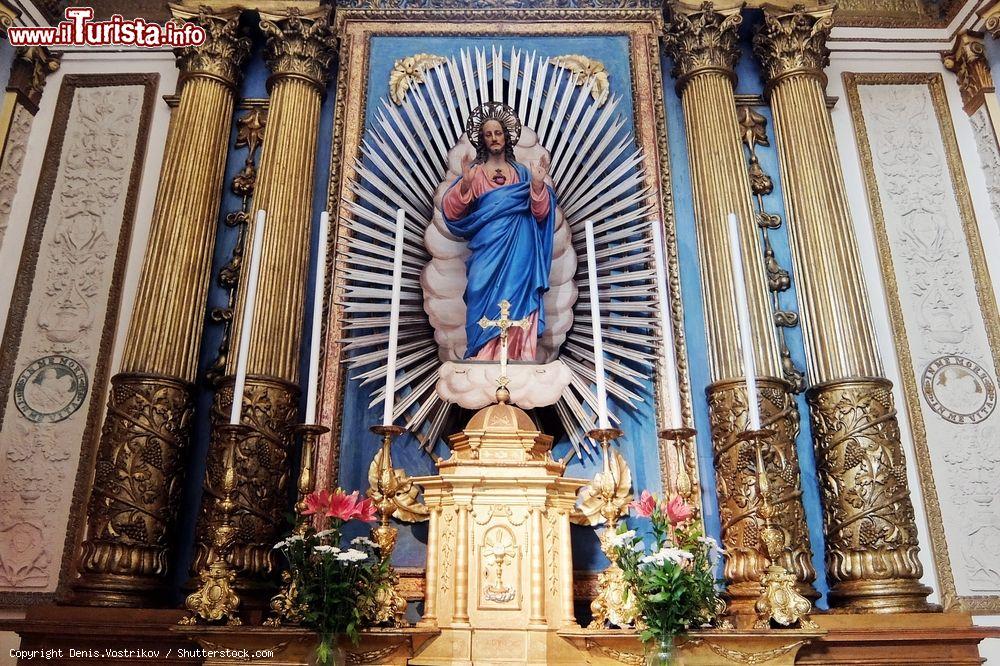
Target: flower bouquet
pixel 328 586
pixel 674 578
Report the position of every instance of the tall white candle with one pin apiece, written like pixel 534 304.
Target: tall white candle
pixel 397 286
pixel 743 317
pixel 595 317
pixel 312 388
pixel 672 388
pixel 246 325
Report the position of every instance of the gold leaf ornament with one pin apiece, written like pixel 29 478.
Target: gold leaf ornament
pixel 402 493
pixel 587 70
pixel 608 493
pixel 407 71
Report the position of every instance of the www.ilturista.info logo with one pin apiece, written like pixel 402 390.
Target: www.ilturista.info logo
pixel 80 30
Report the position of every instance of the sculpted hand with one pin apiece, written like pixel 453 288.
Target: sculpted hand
pixel 538 171
pixel 467 167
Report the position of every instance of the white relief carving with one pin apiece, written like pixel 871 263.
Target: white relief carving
pixel 13 158
pixel 942 317
pixel 989 156
pixel 65 316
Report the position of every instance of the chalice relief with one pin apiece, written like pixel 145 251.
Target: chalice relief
pixel 498 214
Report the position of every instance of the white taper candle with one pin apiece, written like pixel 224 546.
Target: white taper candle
pixel 743 318
pixel 312 386
pixel 595 317
pixel 672 387
pixel 397 286
pixel 246 325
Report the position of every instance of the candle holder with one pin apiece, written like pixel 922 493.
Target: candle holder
pixel 284 604
pixel 389 485
pixel 608 496
pixel 680 438
pixel 779 602
pixel 216 599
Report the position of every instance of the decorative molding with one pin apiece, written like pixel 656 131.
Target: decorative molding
pixel 66 302
pixel 967 59
pixel 13 158
pixel 941 303
pixel 989 155
pixel 31 66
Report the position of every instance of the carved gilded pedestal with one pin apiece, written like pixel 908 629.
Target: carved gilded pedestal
pixel 299 52
pixel 141 456
pixel 704 44
pixel 871 541
pixel 499 555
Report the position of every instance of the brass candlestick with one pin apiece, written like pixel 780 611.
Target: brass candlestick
pixel 680 438
pixel 284 604
pixel 390 606
pixel 779 603
pixel 216 599
pixel 615 603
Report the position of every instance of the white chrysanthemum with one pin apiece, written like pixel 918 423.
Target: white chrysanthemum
pixel 675 555
pixel 326 549
pixel 324 533
pixel 288 541
pixel 618 540
pixel 713 546
pixel 352 555
pixel 363 541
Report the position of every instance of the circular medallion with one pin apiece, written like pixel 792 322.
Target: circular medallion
pixel 50 389
pixel 959 390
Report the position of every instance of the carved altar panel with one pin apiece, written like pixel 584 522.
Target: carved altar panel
pixel 944 319
pixel 57 345
pixel 989 155
pixel 10 166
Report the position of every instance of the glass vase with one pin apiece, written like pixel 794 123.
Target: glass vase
pixel 662 652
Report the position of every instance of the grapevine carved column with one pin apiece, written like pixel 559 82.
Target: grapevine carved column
pixel 704 46
pixel 141 456
pixel 299 52
pixel 871 535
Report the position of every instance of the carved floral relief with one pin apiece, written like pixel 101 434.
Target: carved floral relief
pixel 64 320
pixel 932 255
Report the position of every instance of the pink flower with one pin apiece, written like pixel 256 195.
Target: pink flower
pixel 317 502
pixel 645 505
pixel 678 510
pixel 343 506
pixel 365 510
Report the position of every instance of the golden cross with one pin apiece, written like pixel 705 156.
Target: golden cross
pixel 504 323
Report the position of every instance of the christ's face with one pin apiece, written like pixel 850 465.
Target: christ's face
pixel 494 137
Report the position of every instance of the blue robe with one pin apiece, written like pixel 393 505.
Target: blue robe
pixel 511 255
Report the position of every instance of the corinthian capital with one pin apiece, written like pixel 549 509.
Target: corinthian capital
pixel 7 15
pixel 702 40
pixel 967 59
pixel 224 50
pixel 299 45
pixel 794 42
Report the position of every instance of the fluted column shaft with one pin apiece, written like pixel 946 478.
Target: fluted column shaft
pixel 871 535
pixel 704 44
pixel 147 428
pixel 299 51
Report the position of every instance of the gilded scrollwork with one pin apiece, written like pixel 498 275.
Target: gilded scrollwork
pixel 871 537
pixel 409 71
pixel 587 71
pixel 223 52
pixel 739 496
pixel 702 39
pixel 794 41
pixel 270 408
pixel 967 59
pixel 299 44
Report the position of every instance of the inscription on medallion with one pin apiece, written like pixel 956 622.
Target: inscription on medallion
pixel 50 389
pixel 959 390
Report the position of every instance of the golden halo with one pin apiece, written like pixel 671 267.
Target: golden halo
pixel 493 111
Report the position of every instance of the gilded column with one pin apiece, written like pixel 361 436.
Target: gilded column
pixel 871 535
pixel 141 456
pixel 704 45
pixel 298 52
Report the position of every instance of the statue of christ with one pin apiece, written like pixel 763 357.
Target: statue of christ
pixel 506 213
